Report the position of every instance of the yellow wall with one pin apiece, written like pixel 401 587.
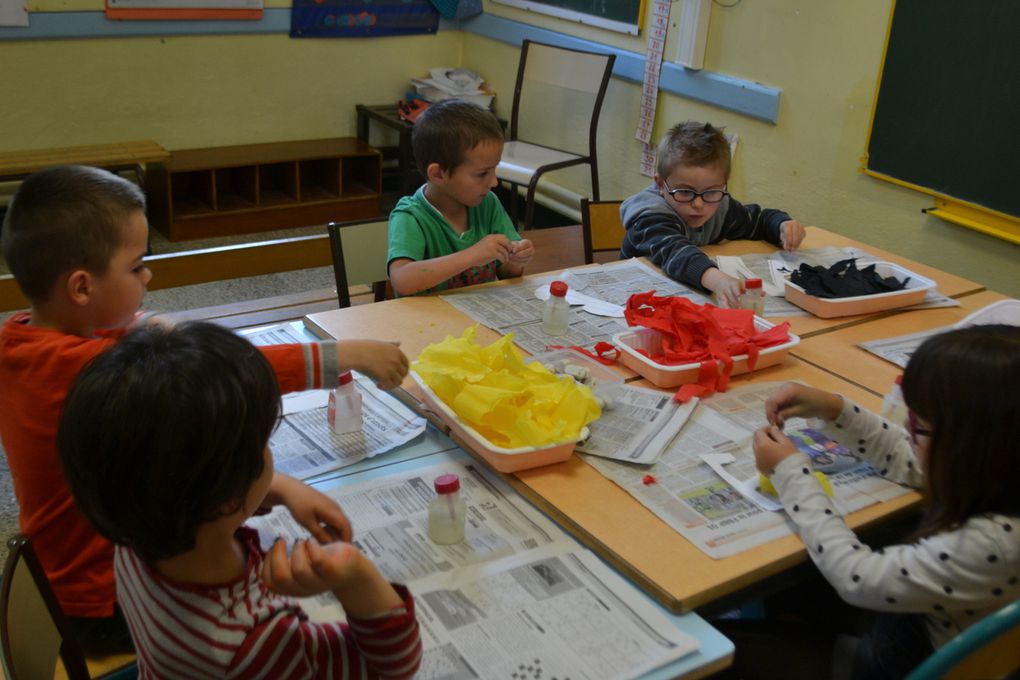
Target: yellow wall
pixel 205 91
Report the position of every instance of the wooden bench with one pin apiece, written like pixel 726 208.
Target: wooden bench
pixel 15 165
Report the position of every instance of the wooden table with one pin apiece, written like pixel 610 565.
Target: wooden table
pixel 835 351
pixel 600 514
pixel 15 165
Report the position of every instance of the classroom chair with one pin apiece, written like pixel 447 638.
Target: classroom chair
pixel 553 83
pixel 35 638
pixel 602 228
pixel 358 250
pixel 988 649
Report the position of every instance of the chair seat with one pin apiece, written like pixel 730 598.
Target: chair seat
pixel 520 160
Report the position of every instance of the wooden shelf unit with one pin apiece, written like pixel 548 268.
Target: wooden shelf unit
pixel 200 193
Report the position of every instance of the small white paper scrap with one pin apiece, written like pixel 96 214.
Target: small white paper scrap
pixel 747 488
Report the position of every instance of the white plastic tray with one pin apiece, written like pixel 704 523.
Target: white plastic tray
pixel 664 375
pixel 827 308
pixel 503 460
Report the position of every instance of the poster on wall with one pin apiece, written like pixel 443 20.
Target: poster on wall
pixel 183 9
pixel 351 19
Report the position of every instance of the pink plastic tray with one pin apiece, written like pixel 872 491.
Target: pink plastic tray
pixel 503 460
pixel 827 308
pixel 663 375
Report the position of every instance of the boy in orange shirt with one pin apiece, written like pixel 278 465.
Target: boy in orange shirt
pixel 74 238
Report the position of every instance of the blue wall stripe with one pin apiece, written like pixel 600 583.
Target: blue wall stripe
pixel 751 99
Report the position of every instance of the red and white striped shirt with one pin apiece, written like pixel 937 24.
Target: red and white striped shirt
pixel 243 630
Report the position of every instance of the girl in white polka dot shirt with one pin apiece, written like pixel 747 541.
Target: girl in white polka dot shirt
pixel 961 447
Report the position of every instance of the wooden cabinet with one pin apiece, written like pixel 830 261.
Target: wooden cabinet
pixel 218 191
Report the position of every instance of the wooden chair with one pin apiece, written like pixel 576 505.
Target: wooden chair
pixel 602 228
pixel 36 640
pixel 359 256
pixel 552 83
pixel 988 649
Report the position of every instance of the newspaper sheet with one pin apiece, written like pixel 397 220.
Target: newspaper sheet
pixel 515 308
pixel 518 591
pixel 304 445
pixel 706 510
pixel 638 426
pixel 897 350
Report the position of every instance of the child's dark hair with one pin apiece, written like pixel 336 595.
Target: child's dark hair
pixel 64 218
pixel 448 130
pixel 166 431
pixel 693 144
pixel 964 384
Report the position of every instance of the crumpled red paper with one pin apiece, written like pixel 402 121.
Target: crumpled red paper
pixel 702 334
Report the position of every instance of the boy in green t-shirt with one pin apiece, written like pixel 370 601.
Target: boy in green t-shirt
pixel 453 231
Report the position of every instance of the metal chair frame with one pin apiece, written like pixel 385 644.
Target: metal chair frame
pixel 340 269
pixel 591 158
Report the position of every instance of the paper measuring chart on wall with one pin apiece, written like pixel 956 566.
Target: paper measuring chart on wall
pixel 659 25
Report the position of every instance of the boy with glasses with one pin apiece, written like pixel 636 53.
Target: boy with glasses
pixel 688 206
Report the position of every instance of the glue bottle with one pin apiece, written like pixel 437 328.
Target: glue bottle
pixel 554 315
pixel 447 513
pixel 344 409
pixel 894 409
pixel 753 297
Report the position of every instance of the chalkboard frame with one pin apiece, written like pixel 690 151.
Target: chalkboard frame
pixel 919 136
pixel 558 8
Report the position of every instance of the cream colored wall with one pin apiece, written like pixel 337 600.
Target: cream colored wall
pixel 825 58
pixel 212 91
pixel 187 92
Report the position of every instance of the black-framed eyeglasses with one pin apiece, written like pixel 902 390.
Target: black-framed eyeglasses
pixel 688 195
pixel 914 428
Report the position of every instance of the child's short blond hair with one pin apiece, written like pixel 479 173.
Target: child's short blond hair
pixel 64 218
pixel 448 130
pixel 693 144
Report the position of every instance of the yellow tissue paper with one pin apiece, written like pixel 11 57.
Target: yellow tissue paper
pixel 765 484
pixel 510 403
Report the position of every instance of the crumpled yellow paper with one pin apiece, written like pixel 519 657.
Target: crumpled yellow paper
pixel 510 403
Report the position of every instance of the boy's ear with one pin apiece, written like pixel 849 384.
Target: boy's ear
pixel 79 287
pixel 434 173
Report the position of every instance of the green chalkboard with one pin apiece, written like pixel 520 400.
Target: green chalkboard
pixel 947 117
pixel 626 12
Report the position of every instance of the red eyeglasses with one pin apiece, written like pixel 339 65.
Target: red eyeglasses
pixel 914 428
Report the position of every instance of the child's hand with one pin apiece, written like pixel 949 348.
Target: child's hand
pixel 771 447
pixel 381 361
pixel 310 569
pixel 492 247
pixel 794 400
pixel 726 288
pixel 315 511
pixel 791 232
pixel 521 252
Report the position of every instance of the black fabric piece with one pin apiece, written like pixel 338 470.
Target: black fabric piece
pixel 844 279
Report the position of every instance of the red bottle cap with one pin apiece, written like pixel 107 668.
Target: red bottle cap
pixel 558 288
pixel 752 283
pixel 899 379
pixel 345 378
pixel 447 483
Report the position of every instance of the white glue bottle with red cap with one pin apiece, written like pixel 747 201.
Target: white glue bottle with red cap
pixel 753 297
pixel 557 310
pixel 894 409
pixel 344 408
pixel 447 512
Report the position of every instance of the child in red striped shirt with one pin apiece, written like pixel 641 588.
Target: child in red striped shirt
pixel 164 443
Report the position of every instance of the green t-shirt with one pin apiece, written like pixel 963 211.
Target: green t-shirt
pixel 419 232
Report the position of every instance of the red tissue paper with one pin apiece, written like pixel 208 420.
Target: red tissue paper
pixel 702 334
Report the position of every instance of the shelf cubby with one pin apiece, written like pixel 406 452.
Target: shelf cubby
pixel 218 191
